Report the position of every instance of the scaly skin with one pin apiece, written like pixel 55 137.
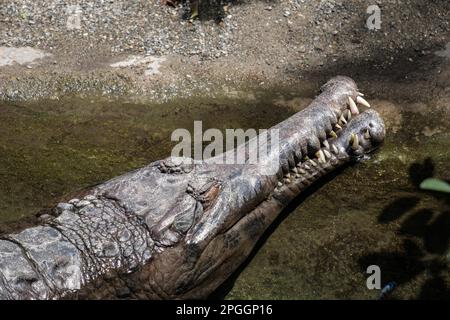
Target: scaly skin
pixel 178 231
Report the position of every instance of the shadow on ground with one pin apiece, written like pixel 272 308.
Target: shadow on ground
pixel 384 75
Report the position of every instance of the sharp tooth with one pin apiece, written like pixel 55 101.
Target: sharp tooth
pixel 354 141
pixel 314 164
pixel 333 134
pixel 362 101
pixel 327 154
pixel 294 170
pixel 302 171
pixel 287 180
pixel 297 175
pixel 338 126
pixel 307 167
pixel 299 164
pixel 367 134
pixel 287 176
pixel 349 115
pixel 353 107
pixel 321 156
pixel 326 144
pixel 342 120
pixel 279 184
pixel 360 94
pixel 335 150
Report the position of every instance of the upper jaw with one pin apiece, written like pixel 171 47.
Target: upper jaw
pixel 346 104
pixel 343 97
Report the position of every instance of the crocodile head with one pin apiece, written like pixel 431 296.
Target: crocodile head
pixel 216 223
pixel 178 230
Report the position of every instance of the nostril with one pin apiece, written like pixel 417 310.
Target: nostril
pixel 371 124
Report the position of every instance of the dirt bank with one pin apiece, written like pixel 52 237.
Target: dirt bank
pixel 159 55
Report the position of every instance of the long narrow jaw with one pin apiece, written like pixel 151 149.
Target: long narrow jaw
pixel 359 136
pixel 306 132
pixel 330 132
pixel 345 129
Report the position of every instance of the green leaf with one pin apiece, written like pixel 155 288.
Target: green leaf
pixel 435 185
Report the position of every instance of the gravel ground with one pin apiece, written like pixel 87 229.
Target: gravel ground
pixel 123 26
pixel 242 43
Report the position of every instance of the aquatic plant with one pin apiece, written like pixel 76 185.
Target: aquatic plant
pixel 434 184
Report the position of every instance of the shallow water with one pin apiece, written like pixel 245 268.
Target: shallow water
pixel 49 148
pixel 370 213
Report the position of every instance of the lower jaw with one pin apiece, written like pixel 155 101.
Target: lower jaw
pixel 305 174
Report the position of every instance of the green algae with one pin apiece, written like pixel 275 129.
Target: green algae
pixel 51 147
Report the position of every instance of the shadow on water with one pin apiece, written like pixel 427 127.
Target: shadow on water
pixel 426 239
pixel 425 234
pixel 222 291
